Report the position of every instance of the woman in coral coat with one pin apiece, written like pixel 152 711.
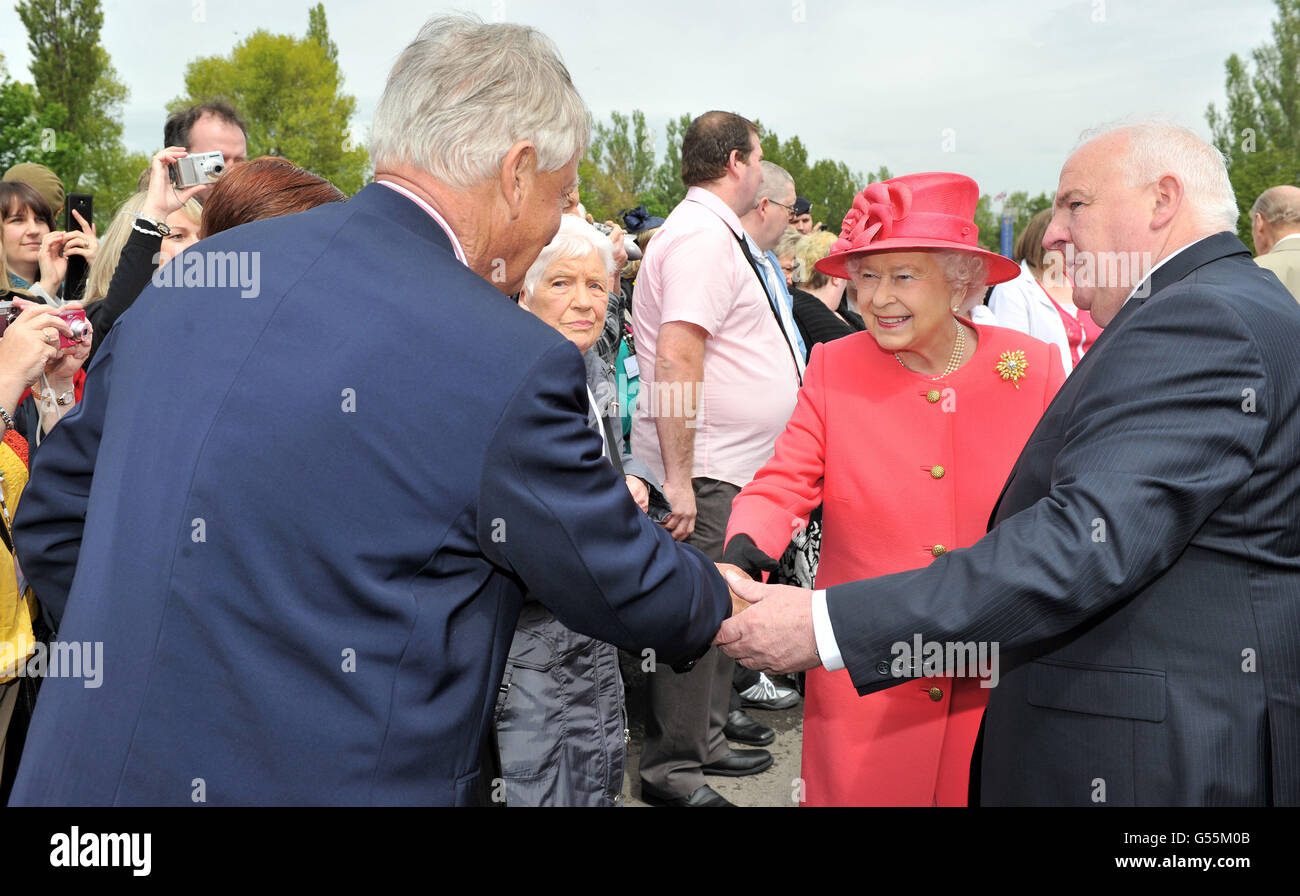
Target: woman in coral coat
pixel 906 434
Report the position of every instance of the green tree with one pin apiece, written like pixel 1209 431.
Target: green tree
pixel 1020 205
pixel 32 132
pixel 829 185
pixel 666 187
pixel 619 166
pixel 77 100
pixel 1258 130
pixel 318 32
pixel 288 90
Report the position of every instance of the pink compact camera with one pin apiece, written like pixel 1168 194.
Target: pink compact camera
pixel 77 323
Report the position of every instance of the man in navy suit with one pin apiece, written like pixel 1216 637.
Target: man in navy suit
pixel 1142 577
pixel 301 523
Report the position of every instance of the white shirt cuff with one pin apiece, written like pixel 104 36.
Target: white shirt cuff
pixel 826 646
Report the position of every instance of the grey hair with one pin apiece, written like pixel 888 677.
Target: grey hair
pixel 965 272
pixel 575 239
pixel 774 179
pixel 464 92
pixel 1278 205
pixel 1155 149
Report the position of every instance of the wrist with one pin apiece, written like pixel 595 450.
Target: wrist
pixel 154 212
pixel 60 384
pixel 11 389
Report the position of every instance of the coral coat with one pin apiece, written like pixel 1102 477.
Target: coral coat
pixel 907 467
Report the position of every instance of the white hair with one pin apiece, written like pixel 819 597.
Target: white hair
pixel 575 239
pixel 1155 149
pixel 464 92
pixel 965 271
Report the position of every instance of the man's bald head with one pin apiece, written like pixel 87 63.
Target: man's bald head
pixel 1275 214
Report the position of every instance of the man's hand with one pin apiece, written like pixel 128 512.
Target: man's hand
pixel 681 522
pixel 640 494
pixel 738 604
pixel 776 633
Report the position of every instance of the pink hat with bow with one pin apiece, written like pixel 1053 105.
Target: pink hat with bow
pixel 935 210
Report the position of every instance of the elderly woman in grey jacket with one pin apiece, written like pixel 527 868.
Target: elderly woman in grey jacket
pixel 560 720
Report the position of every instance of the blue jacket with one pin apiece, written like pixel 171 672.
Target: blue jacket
pixel 312 517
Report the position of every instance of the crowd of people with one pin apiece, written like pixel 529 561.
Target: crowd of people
pixel 364 527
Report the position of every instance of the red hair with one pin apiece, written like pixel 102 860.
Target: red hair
pixel 263 188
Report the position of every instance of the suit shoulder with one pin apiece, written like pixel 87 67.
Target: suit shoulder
pixel 1235 292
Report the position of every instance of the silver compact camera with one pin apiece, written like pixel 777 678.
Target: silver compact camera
pixel 200 168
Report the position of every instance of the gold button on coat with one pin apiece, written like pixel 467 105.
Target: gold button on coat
pixel 936 694
pixel 933 395
pixel 937 471
pixel 938 550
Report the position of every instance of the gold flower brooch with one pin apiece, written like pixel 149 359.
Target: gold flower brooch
pixel 1012 366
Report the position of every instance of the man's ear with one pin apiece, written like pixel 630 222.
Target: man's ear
pixel 1169 198
pixel 733 162
pixel 518 176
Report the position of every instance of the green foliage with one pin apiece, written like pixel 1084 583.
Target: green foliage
pixel 318 32
pixel 30 132
pixel 619 170
pixel 1258 131
pixel 1020 205
pixel 666 188
pixel 288 90
pixel 829 185
pixel 619 165
pixel 71 70
pixel 69 119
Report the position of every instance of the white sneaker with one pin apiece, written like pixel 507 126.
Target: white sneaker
pixel 766 695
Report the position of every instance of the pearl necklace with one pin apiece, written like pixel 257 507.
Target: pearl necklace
pixel 954 360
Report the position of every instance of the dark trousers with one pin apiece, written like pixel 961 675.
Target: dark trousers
pixel 686 713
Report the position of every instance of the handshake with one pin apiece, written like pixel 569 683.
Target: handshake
pixel 776 634
pixel 738 603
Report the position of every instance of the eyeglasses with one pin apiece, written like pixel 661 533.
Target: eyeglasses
pixel 788 208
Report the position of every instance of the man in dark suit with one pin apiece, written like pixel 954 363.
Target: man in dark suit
pixel 1142 578
pixel 315 506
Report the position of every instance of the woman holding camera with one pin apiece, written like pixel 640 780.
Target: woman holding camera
pixel 166 223
pixel 31 358
pixel 34 256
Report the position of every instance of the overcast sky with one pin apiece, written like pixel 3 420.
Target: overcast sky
pixel 1010 82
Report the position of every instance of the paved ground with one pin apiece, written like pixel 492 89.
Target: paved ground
pixel 774 787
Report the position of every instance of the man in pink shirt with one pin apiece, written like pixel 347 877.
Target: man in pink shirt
pixel 718 383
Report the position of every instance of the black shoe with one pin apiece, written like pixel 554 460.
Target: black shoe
pixel 740 763
pixel 744 730
pixel 705 797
